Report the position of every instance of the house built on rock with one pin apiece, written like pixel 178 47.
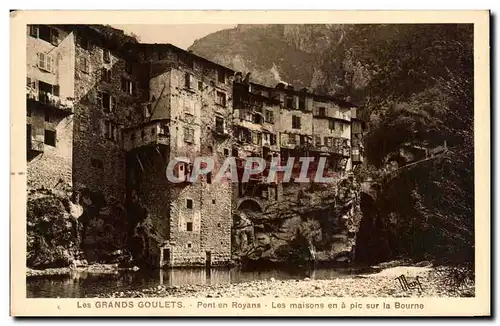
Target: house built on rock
pixel 107 113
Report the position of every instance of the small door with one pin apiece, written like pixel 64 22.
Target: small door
pixel 166 257
pixel 208 259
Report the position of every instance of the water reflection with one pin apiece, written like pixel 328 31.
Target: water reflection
pixel 82 284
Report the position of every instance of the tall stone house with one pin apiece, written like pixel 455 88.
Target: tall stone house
pixel 107 113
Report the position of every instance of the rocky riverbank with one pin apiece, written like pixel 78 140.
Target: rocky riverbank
pixel 434 282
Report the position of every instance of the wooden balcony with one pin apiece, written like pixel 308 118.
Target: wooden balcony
pixel 49 101
pixel 146 135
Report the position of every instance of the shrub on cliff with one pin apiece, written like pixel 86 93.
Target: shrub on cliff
pixel 50 232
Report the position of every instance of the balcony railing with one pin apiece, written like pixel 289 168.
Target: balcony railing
pixel 50 100
pixel 154 133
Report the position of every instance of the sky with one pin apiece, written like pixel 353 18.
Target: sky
pixel 181 36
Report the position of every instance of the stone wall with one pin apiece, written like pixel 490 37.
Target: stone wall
pixel 48 168
pixel 99 160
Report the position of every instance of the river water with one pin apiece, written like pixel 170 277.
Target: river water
pixel 84 284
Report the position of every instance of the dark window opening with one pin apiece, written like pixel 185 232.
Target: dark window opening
pixel 331 124
pixel 219 225
pixel 295 122
pixel 44 33
pixel 221 76
pixel 210 149
pixel 269 116
pixel 106 75
pixel 189 245
pixel 234 152
pixel 257 118
pixel 272 139
pixel 189 203
pixel 85 43
pixel 187 80
pixel 200 86
pixel 221 98
pixel 322 112
pixel 189 226
pixel 33 30
pixel 106 56
pixel 50 138
pixel 226 152
pixel 213 202
pixel 289 102
pixel 219 124
pixel 209 177
pixel 302 102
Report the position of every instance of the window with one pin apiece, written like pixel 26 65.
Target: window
pixel 33 30
pixel 317 140
pixel 45 62
pixel 257 118
pixel 213 202
pixel 226 152
pixel 127 86
pixel 331 124
pixel 189 244
pixel 189 203
pixel 129 67
pixel 220 98
pixel 209 177
pixel 200 86
pixel 295 122
pixel 85 65
pixel 106 75
pixel 272 139
pixel 221 76
pixel 96 163
pixel 322 112
pixel 219 125
pixel 45 33
pixel 302 102
pixel 50 137
pixel 187 80
pixel 189 226
pixel 269 116
pixel 106 55
pixel 110 130
pixel 289 101
pixel 85 43
pixel 256 138
pixel 188 135
pixel 108 102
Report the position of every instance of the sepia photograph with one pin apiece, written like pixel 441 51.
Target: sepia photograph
pixel 250 160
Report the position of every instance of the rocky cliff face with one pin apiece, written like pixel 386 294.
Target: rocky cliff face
pixel 304 55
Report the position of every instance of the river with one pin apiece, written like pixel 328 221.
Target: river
pixel 84 284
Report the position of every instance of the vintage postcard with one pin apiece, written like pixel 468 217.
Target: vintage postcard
pixel 260 163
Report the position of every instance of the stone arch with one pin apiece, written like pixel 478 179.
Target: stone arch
pixel 250 204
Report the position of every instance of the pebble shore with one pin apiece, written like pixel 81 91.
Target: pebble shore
pixel 382 284
pixel 95 268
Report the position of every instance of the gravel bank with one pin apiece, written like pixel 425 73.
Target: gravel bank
pixel 383 284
